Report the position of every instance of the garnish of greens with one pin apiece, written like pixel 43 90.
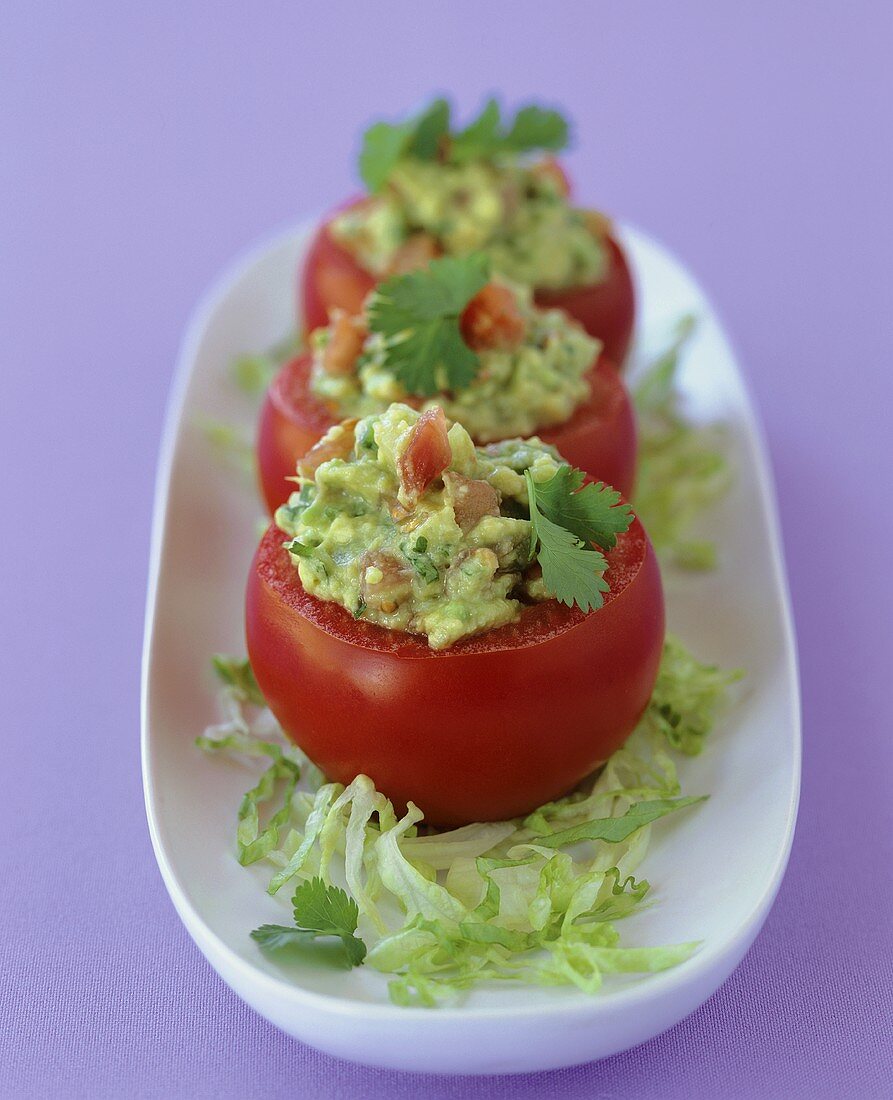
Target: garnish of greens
pixel 565 520
pixel 252 374
pixel 682 468
pixel 231 444
pixel 418 316
pixel 534 900
pixel 320 911
pixel 430 136
pixel 238 676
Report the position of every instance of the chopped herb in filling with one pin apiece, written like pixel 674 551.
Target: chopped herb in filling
pixel 442 192
pixel 490 359
pixel 401 520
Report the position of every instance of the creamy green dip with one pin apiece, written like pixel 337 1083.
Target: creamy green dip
pixel 433 566
pixel 515 393
pixel 519 217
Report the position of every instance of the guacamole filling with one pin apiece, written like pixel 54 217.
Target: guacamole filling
pixel 517 214
pixel 401 520
pixel 517 390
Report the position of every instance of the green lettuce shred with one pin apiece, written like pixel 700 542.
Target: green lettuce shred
pixel 239 676
pixel 687 697
pixel 682 468
pixel 232 445
pixel 535 900
pixel 253 373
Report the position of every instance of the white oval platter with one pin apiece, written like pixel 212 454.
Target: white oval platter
pixel 715 870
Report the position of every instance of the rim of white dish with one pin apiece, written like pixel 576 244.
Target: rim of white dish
pixel 646 989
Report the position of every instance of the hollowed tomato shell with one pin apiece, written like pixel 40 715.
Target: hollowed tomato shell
pixel 331 278
pixel 489 729
pixel 599 438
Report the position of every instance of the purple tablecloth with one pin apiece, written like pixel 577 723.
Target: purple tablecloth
pixel 141 146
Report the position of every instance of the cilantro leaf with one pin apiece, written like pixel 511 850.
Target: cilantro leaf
pixel 275 937
pixel 429 128
pixel 532 128
pixel 324 909
pixel 383 146
pixel 536 128
pixel 565 521
pixel 298 548
pixel 385 143
pixel 427 136
pixel 571 571
pixel 480 138
pixel 593 513
pixel 419 315
pixel 319 911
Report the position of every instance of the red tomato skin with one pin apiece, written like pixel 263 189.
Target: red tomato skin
pixel 599 438
pixel 489 729
pixel 607 310
pixel 332 277
pixel 292 420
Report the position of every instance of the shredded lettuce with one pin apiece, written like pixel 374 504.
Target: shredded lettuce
pixel 253 373
pixel 533 900
pixel 232 445
pixel 682 467
pixel 239 676
pixel 687 697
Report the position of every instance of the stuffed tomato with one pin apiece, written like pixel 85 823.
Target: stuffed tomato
pixel 438 191
pixel 480 349
pixel 473 628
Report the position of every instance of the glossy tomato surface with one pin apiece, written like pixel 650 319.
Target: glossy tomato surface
pixel 489 729
pixel 292 419
pixel 599 438
pixel 607 310
pixel 332 278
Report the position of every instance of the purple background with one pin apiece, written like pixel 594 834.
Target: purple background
pixel 139 152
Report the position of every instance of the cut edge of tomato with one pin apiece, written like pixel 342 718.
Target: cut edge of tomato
pixel 292 396
pixel 539 622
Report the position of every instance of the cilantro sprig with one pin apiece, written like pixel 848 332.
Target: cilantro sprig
pixel 567 523
pixel 418 314
pixel 488 136
pixel 428 136
pixel 320 911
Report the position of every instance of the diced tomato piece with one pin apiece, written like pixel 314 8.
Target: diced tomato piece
pixel 415 252
pixel 346 336
pixel 332 276
pixel 471 499
pixel 598 224
pixel 511 194
pixel 425 456
pixel 336 443
pixel 549 168
pixel 384 581
pixel 492 319
pixel 600 437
